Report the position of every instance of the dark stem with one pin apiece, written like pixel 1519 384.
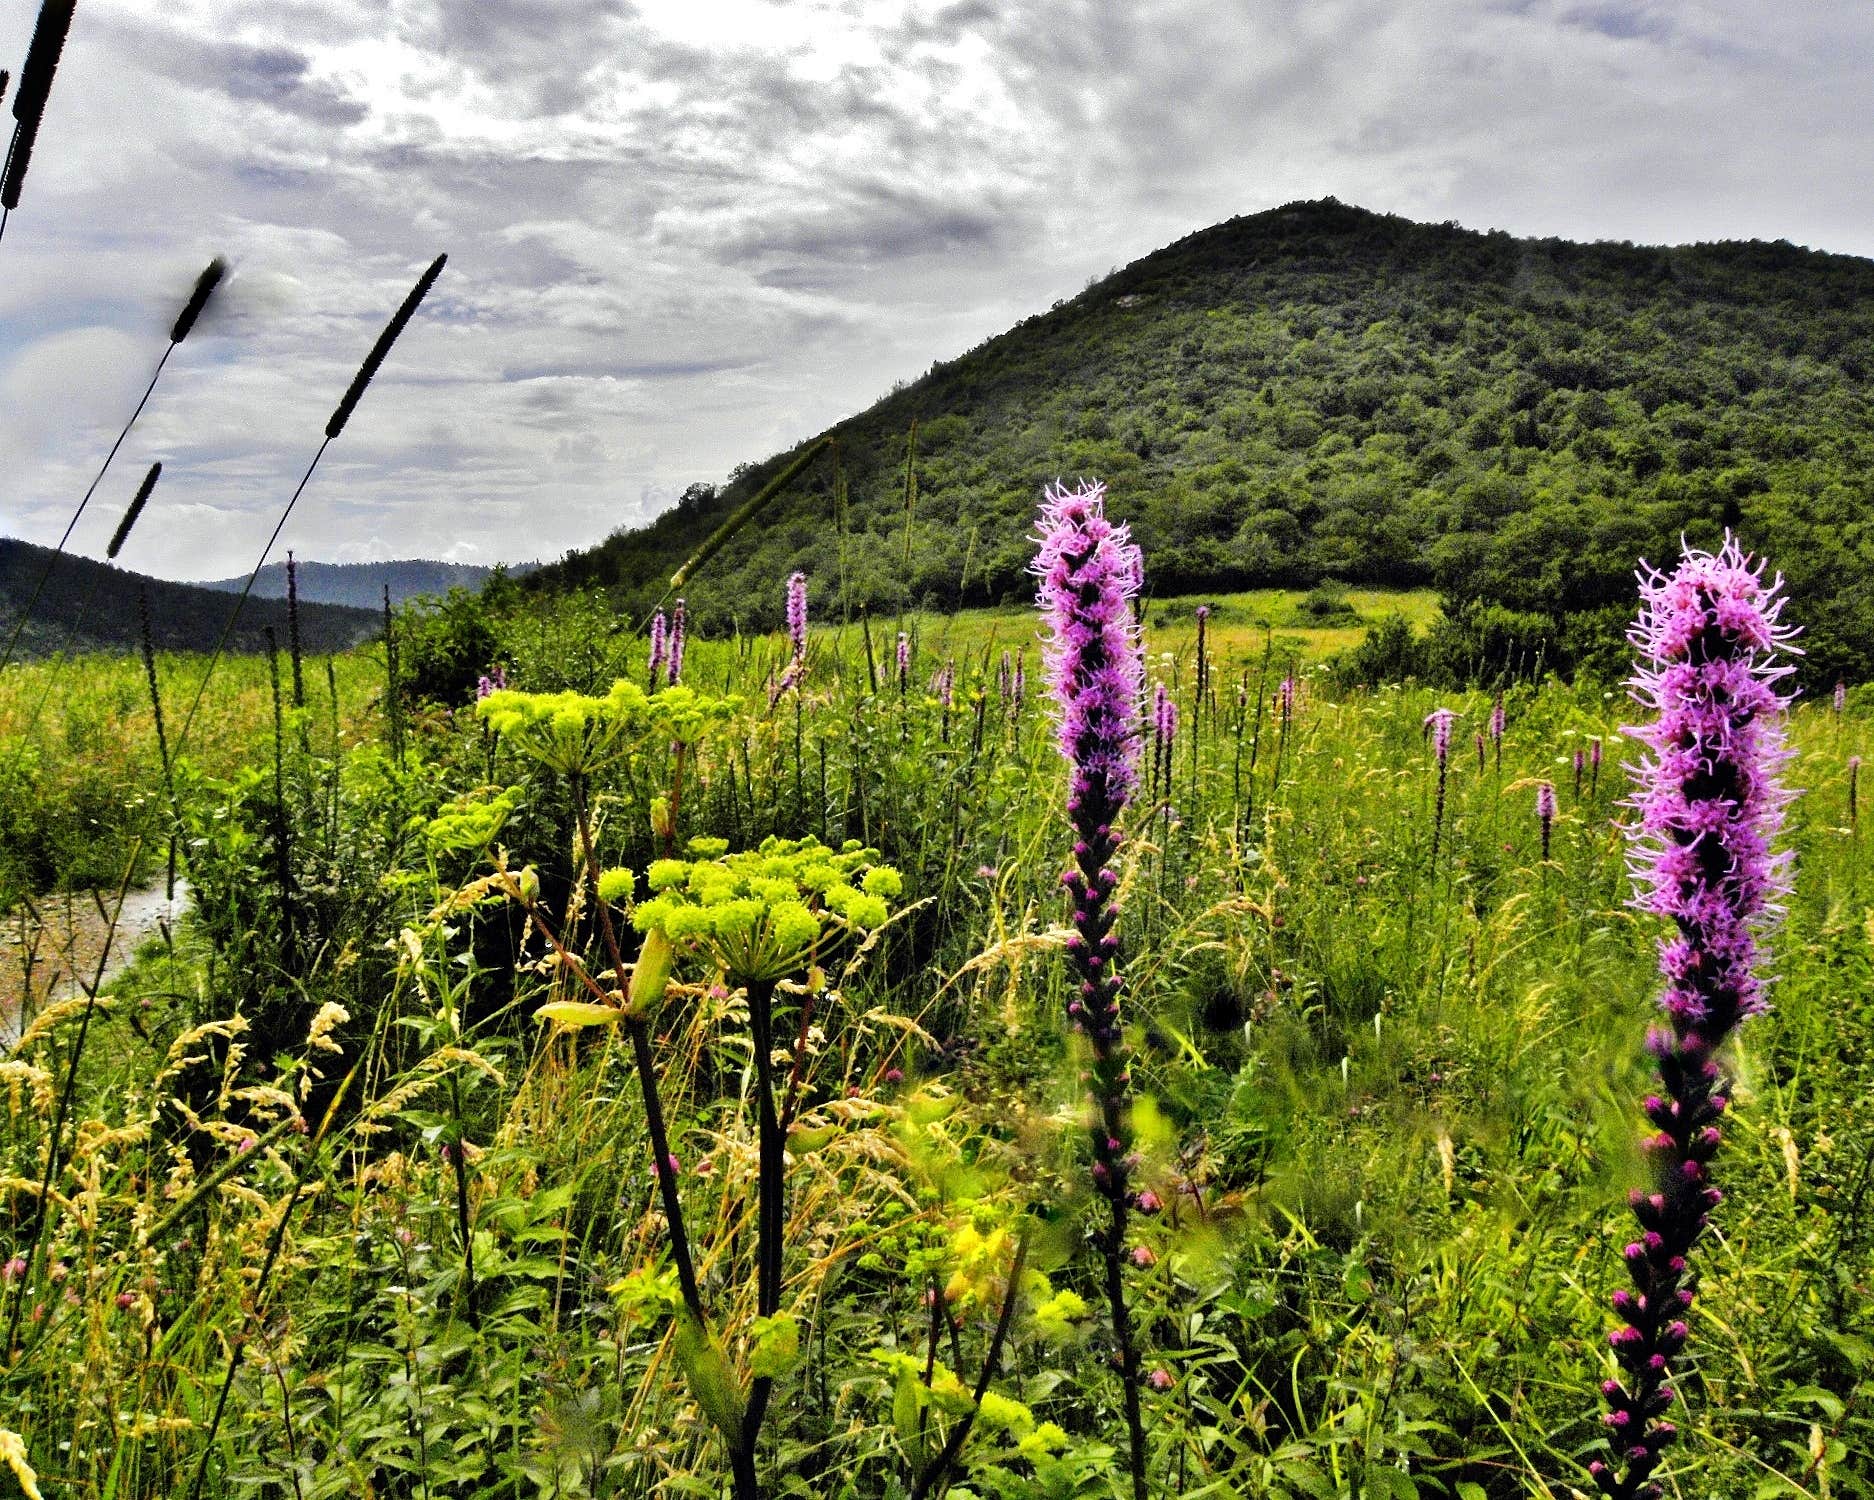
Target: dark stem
pixel 992 1362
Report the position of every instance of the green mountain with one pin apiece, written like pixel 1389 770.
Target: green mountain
pixel 94 606
pixel 1319 391
pixel 362 585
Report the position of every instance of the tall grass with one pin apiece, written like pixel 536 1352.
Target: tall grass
pixel 1385 1132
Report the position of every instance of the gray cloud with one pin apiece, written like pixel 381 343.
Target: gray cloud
pixel 682 235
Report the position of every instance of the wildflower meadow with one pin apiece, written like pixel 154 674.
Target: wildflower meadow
pixel 1115 1044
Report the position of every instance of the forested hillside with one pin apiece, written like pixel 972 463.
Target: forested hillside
pixel 361 585
pixel 89 605
pixel 1319 391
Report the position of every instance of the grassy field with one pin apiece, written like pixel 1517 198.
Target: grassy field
pixel 332 1213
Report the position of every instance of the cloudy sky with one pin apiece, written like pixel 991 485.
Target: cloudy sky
pixel 685 233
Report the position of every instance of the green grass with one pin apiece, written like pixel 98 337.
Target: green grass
pixel 1394 1114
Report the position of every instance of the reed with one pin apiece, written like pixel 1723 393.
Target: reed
pixel 205 285
pixel 348 403
pixel 29 99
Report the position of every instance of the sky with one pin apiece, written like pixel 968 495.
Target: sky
pixel 685 234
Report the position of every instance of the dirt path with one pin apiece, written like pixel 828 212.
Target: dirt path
pixel 50 946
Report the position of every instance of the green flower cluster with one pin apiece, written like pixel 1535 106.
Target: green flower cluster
pixel 577 733
pixel 764 912
pixel 470 822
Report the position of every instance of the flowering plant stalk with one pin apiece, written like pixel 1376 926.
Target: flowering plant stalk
pixel 1438 725
pixel 1090 573
pixel 1710 802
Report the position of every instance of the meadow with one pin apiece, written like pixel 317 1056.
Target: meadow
pixel 351 1186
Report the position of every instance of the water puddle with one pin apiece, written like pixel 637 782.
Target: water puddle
pixel 50 947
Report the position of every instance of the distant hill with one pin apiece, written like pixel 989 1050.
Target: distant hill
pixel 361 585
pixel 1319 391
pixel 102 600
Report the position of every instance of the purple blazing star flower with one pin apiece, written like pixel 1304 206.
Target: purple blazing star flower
pixel 1438 724
pixel 945 682
pixel 797 614
pixel 659 645
pixel 1710 803
pixel 1545 812
pixel 674 651
pixel 1090 574
pixel 904 660
pixel 1841 696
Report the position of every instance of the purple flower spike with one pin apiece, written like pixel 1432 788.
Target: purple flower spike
pixel 1545 812
pixel 1438 722
pixel 797 612
pixel 1090 573
pixel 674 650
pixel 659 645
pixel 1710 803
pixel 1438 725
pixel 904 660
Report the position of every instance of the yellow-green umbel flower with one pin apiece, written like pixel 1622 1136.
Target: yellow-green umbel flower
pixel 577 733
pixel 764 913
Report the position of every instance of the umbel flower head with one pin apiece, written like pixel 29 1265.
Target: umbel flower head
pixel 1090 572
pixel 1709 803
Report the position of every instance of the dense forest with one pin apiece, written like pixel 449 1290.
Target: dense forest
pixel 89 605
pixel 1323 392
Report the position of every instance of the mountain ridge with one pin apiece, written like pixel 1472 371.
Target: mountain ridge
pixel 361 585
pixel 94 606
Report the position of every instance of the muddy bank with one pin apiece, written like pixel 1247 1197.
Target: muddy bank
pixel 50 946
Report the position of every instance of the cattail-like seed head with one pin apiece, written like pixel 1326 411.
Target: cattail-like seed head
pixel 205 285
pixel 372 361
pixel 35 87
pixel 122 534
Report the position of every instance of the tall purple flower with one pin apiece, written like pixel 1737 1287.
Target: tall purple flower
pixel 1438 725
pixel 659 645
pixel 675 647
pixel 1841 696
pixel 797 614
pixel 1710 802
pixel 945 683
pixel 904 661
pixel 1164 736
pixel 1018 688
pixel 1285 698
pixel 1545 813
pixel 1498 722
pixel 1090 573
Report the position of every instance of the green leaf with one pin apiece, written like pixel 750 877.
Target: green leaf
pixel 574 1014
